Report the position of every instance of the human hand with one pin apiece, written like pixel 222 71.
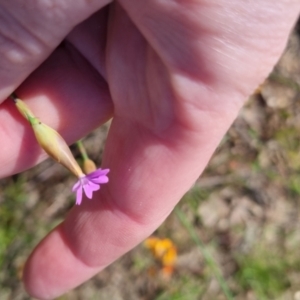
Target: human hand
pixel 173 74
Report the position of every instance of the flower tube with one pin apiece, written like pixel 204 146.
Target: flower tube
pixel 56 147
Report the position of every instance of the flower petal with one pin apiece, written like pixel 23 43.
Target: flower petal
pixel 79 195
pixel 94 187
pixel 88 190
pixel 97 173
pixel 76 186
pixel 89 184
pixel 101 179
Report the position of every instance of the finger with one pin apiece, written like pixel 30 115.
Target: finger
pixel 129 208
pixel 217 41
pixel 63 92
pixel 31 30
pixel 148 173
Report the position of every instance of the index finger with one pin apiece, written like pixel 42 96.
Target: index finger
pixel 31 30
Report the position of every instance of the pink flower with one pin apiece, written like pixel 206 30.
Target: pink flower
pixel 89 183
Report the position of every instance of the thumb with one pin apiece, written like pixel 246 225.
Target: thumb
pixel 31 30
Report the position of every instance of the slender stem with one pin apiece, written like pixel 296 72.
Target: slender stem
pixel 207 256
pixel 82 150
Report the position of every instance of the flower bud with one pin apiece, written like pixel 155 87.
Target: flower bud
pixel 50 140
pixel 55 146
pixel 88 166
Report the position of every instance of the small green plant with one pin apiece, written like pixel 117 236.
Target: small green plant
pixel 10 217
pixel 263 271
pixel 183 288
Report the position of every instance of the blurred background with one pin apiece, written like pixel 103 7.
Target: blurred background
pixel 234 235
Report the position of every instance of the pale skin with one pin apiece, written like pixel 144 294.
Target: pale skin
pixel 172 74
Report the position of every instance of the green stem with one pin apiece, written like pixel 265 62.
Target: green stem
pixel 207 257
pixel 82 150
